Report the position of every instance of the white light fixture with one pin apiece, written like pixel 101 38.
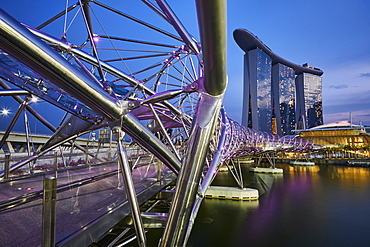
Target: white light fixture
pixel 5 112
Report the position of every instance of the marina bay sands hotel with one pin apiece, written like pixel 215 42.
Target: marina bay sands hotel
pixel 278 96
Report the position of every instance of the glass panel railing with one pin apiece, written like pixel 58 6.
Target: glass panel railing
pixel 87 191
pixel 22 76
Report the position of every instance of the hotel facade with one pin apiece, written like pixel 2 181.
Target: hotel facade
pixel 278 96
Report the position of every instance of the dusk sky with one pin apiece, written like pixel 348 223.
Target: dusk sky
pixel 331 35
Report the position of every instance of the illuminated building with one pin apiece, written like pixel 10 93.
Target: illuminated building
pixel 342 133
pixel 258 101
pixel 278 96
pixel 310 103
pixel 285 101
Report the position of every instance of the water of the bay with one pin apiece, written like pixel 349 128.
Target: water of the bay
pixel 323 205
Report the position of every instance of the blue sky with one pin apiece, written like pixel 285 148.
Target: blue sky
pixel 331 35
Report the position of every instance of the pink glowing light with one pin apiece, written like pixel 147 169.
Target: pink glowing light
pixel 96 38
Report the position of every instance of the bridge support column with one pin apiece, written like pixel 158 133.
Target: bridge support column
pixel 130 187
pixel 7 166
pixel 55 164
pixel 159 170
pixel 212 24
pixel 187 187
pixel 48 211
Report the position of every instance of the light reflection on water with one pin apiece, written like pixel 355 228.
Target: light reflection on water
pixel 324 205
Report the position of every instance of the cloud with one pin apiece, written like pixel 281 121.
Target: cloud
pixel 358 117
pixel 339 86
pixel 337 107
pixel 367 75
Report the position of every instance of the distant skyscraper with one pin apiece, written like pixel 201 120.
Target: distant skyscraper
pixel 310 105
pixel 284 98
pixel 278 96
pixel 257 89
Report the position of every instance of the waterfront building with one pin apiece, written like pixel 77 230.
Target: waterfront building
pixel 337 134
pixel 278 95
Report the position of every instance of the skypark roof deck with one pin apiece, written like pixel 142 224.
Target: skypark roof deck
pixel 248 41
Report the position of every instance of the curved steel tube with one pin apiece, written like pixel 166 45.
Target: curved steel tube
pixel 212 22
pixel 178 26
pixel 212 25
pixel 218 155
pixel 26 47
pixel 18 41
pixel 106 67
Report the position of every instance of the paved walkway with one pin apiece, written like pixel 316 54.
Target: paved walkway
pixel 76 207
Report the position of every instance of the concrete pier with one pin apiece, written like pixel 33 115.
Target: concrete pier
pixel 302 163
pixel 232 193
pixel 266 170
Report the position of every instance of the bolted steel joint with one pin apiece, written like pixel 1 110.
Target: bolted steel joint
pixel 118 133
pixel 128 106
pixel 192 87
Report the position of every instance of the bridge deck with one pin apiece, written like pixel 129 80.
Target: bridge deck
pixel 89 206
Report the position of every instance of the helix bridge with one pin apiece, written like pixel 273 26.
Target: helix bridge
pixel 141 74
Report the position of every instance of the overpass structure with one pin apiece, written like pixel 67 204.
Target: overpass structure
pixel 164 90
pixel 17 142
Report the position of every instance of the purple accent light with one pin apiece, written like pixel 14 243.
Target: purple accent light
pixel 96 38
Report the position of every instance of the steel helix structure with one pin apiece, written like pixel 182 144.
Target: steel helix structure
pixel 232 140
pixel 241 141
pixel 166 97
